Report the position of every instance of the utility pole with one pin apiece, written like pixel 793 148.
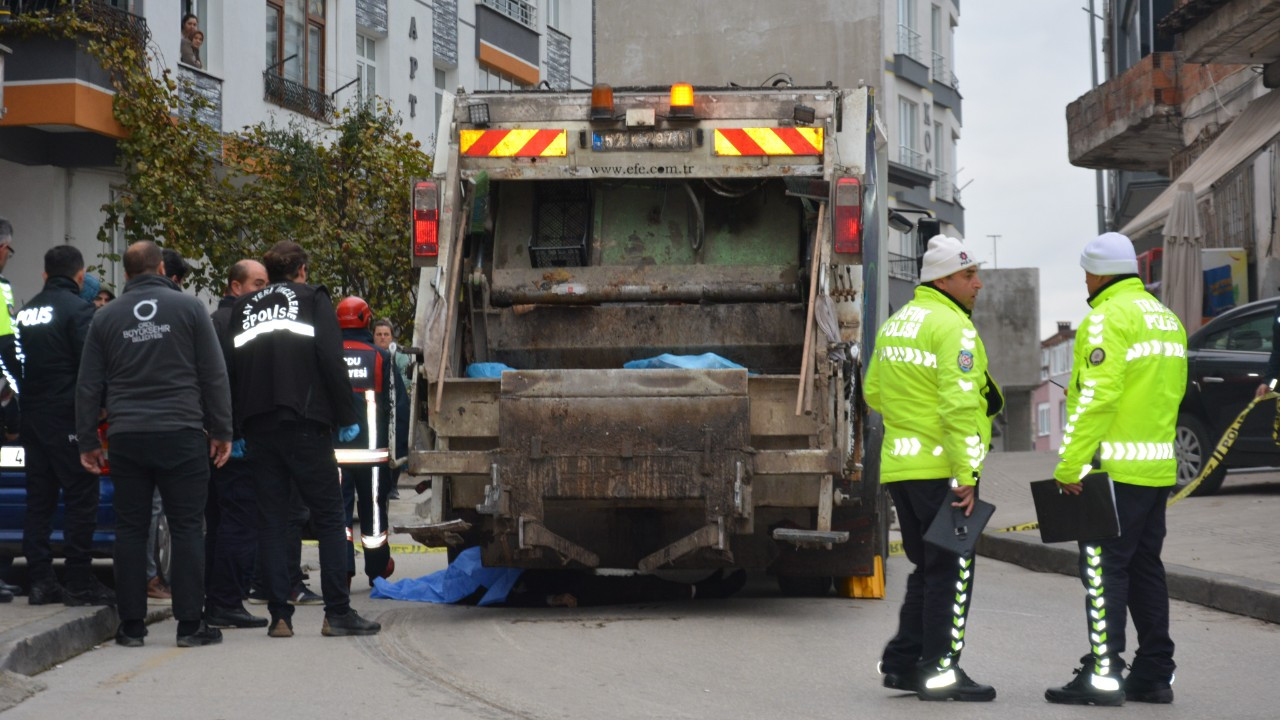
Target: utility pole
pixel 1093 63
pixel 995 256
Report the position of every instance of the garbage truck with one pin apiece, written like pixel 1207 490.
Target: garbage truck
pixel 641 323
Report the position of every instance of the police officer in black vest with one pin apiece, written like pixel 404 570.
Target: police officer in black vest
pixel 52 328
pixel 290 394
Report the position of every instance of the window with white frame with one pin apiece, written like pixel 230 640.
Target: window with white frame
pixel 1042 419
pixel 553 13
pixel 488 78
pixel 366 69
pixel 907 129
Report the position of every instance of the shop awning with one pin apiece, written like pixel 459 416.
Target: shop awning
pixel 1256 127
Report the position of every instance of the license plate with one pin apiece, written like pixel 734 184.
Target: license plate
pixel 619 140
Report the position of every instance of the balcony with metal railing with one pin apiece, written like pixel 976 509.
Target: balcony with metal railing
pixel 909 43
pixel 903 267
pixel 54 81
pixel 295 96
pixel 942 72
pixel 910 157
pixel 944 188
pixel 522 12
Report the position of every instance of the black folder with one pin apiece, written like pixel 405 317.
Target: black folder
pixel 952 531
pixel 1091 515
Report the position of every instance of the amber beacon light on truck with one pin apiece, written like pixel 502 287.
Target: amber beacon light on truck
pixel 426 220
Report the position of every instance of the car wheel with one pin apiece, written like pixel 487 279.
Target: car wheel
pixel 164 547
pixel 1192 446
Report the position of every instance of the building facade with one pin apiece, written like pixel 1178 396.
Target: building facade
pixel 922 108
pixel 1188 97
pixel 287 61
pixel 1049 400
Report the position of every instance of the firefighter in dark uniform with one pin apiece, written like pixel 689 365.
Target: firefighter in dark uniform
pixel 365 459
pixel 53 327
pixel 290 393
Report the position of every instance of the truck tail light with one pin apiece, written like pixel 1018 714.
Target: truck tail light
pixel 848 216
pixel 426 220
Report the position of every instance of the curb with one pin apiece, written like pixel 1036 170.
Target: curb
pixel 38 646
pixel 1231 593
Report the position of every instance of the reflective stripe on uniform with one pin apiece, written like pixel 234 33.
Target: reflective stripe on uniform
pixel 293 326
pixel 360 456
pixel 1155 348
pixel 914 356
pixel 1136 451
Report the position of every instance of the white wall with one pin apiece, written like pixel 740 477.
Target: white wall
pixel 36 200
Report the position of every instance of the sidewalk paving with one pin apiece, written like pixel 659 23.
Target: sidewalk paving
pixel 1221 551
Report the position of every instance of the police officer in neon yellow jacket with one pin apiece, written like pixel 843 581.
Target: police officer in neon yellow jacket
pixel 928 377
pixel 1127 381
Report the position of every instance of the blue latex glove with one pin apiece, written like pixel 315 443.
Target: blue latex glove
pixel 348 433
pixel 237 448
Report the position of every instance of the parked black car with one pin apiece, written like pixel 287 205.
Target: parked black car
pixel 1226 361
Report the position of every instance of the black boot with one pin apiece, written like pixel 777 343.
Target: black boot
pixel 1090 688
pixel 905 680
pixel 92 593
pixel 45 591
pixel 954 684
pixel 1137 689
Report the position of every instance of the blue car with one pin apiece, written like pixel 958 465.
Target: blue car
pixel 13 509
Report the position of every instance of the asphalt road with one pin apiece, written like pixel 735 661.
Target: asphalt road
pixel 757 655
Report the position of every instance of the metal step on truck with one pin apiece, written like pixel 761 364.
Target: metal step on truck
pixel 564 235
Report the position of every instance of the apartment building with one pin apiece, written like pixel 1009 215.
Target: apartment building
pixel 1049 400
pixel 283 61
pixel 922 106
pixel 1189 97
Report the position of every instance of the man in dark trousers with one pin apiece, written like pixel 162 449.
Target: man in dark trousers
pixel 153 358
pixel 1124 415
pixel 53 328
pixel 291 395
pixel 231 515
pixel 365 459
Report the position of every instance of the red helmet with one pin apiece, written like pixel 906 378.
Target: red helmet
pixel 353 312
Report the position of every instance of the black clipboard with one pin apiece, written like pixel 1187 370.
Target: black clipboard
pixel 952 531
pixel 1091 515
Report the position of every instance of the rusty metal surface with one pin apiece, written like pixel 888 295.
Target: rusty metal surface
pixel 797 462
pixel 438 534
pixel 450 462
pixel 469 408
pixel 762 337
pixel 640 439
pixel 533 534
pixel 707 536
pixel 616 283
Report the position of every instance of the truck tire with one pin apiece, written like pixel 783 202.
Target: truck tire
pixel 1192 446
pixel 804 586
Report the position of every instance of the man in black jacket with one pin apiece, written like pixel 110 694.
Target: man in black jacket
pixel 231 514
pixel 153 359
pixel 291 394
pixel 53 328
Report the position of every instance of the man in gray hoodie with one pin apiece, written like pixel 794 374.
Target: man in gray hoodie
pixel 152 359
